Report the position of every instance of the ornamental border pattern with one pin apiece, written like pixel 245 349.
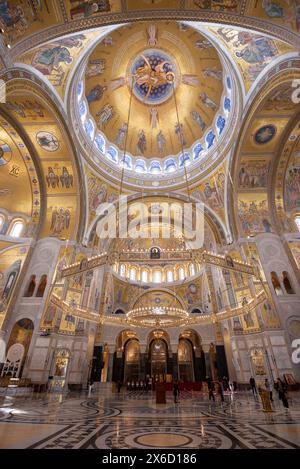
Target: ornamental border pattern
pixel 234 20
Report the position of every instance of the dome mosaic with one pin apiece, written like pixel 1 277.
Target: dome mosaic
pixel 154 99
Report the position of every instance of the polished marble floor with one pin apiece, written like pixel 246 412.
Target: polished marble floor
pixel 133 420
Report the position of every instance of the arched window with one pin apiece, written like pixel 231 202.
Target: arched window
pixel 41 288
pixel 276 283
pixel 132 274
pixel 181 274
pixel 196 311
pixel 31 287
pixel 156 276
pixel 145 276
pixel 140 166
pixel 2 219
pixel 122 270
pixel 170 276
pixel 297 221
pixel 287 284
pixel 16 229
pixel 192 269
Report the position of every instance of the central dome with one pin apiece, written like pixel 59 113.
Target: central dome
pixel 162 92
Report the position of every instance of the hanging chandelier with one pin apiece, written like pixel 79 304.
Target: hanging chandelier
pixel 157 317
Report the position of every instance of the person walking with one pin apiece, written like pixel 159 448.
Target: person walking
pixel 253 386
pixel 176 392
pixel 269 388
pixel 282 393
pixel 119 386
pixel 221 390
pixel 210 388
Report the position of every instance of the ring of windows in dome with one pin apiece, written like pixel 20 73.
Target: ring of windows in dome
pixel 140 166
pixel 157 274
pixel 170 165
pixel 100 143
pixel 184 160
pixel 155 167
pixel 82 110
pixel 112 154
pixel 89 128
pixel 80 88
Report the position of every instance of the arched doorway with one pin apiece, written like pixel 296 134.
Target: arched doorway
pixel 17 348
pixel 185 360
pixel 124 348
pixel 191 358
pixel 158 356
pixel 132 360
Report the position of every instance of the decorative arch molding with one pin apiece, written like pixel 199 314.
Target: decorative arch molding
pixel 212 17
pixel 273 80
pixel 286 61
pixel 281 163
pixel 220 231
pixel 161 290
pixel 19 80
pixel 159 334
pixel 34 171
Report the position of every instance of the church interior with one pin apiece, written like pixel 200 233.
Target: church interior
pixel 162 104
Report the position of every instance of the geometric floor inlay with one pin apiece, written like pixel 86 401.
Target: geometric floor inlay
pixel 134 420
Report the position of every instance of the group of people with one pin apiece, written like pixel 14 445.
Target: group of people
pixel 280 386
pixel 215 388
pixel 140 385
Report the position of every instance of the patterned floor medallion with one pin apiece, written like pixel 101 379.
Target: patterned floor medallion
pixel 133 420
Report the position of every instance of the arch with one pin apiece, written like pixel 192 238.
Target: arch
pixel 16 229
pixel 158 334
pixel 132 360
pixel 123 337
pixel 40 93
pixel 240 197
pixel 17 348
pixel 185 360
pixel 119 311
pixel 196 311
pixel 177 300
pixel 221 234
pixel 193 336
pixel 158 358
